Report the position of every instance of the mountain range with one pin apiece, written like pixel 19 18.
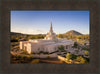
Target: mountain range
pixel 71 32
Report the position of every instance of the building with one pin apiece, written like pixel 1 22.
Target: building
pixel 49 44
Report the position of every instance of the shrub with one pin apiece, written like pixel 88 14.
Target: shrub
pixel 81 59
pixel 38 53
pixel 75 45
pixel 24 57
pixel 84 48
pixel 18 56
pixel 68 56
pixel 84 43
pixel 73 56
pixel 76 51
pixel 87 60
pixel 86 52
pixel 61 48
pixel 35 61
pixel 21 56
pixel 14 40
pixel 32 52
pixel 30 56
pixel 25 52
pixel 48 56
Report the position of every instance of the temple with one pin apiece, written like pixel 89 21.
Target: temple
pixel 49 44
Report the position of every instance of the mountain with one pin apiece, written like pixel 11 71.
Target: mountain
pixel 73 32
pixel 15 33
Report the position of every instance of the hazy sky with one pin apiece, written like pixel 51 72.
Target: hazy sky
pixel 38 22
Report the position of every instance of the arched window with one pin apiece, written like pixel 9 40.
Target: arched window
pixel 66 46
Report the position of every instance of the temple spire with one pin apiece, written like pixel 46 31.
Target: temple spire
pixel 51 35
pixel 51 30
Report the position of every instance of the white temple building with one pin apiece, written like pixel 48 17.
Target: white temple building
pixel 49 44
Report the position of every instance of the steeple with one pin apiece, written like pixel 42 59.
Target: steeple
pixel 51 35
pixel 51 30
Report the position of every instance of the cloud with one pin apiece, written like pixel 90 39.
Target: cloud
pixel 39 30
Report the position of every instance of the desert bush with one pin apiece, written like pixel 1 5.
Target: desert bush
pixel 35 61
pixel 73 56
pixel 24 57
pixel 61 48
pixel 81 59
pixel 30 56
pixel 87 60
pixel 84 48
pixel 77 51
pixel 48 56
pixel 14 40
pixel 68 56
pixel 86 52
pixel 18 56
pixel 24 52
pixel 32 52
pixel 75 45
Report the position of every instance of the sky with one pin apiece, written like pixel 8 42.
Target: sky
pixel 38 22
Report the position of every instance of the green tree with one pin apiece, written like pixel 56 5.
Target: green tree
pixel 61 48
pixel 60 35
pixel 75 44
pixel 68 56
pixel 73 56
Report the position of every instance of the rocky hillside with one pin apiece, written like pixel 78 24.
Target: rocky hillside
pixel 73 32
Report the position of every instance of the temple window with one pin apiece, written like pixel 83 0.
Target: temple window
pixel 66 47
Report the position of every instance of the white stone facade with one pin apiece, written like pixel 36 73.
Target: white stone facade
pixel 49 44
